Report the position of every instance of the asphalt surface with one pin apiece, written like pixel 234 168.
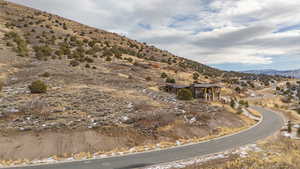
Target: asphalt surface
pixel 271 123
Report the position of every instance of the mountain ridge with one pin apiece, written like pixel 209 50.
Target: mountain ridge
pixel 287 73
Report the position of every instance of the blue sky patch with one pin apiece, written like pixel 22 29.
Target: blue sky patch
pixel 288 28
pixel 145 26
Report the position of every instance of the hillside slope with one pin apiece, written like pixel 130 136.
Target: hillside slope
pixel 102 88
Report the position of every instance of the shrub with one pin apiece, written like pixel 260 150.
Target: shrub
pixel 9 44
pixel 238 89
pixel 42 52
pixel 148 79
pixel 298 111
pixel 289 127
pixel 196 76
pixel 92 43
pixel 38 87
pixel 46 74
pixel 244 103
pixel 59 52
pixel 74 63
pixel 53 57
pixel 232 103
pixel 65 26
pixel 129 60
pixel 107 53
pixel 170 80
pixel 87 66
pixel 65 49
pixel 1 85
pixel 163 75
pixel 240 111
pixel 185 94
pixel 108 59
pixel 21 47
pixel 247 104
pixel 89 60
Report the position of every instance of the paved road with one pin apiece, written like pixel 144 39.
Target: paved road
pixel 270 124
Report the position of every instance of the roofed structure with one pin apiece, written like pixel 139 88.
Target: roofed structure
pixel 206 91
pixel 174 88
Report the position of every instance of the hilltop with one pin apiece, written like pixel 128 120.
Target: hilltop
pixel 101 87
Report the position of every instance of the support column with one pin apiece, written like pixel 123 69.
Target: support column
pixel 213 94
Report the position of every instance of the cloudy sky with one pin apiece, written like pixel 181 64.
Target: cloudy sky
pixel 228 34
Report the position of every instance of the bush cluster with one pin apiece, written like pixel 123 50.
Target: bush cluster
pixel 196 76
pixel 148 78
pixel 46 74
pixel 170 80
pixel 1 85
pixel 74 63
pixel 38 87
pixel 42 52
pixel 21 47
pixel 185 94
pixel 163 75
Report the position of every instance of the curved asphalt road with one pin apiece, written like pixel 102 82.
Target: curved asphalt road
pixel 271 123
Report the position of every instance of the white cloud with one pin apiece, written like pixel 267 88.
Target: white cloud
pixel 209 31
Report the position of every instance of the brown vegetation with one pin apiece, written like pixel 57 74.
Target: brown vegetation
pixel 278 154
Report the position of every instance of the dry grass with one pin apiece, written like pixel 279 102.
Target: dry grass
pixel 278 154
pixel 254 112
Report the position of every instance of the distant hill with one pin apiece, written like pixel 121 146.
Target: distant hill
pixel 291 73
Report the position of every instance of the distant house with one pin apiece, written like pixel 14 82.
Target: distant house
pixel 205 91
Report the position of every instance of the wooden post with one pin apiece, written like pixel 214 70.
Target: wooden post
pixel 194 91
pixel 213 94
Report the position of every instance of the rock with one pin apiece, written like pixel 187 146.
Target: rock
pixel 59 110
pixel 25 129
pixel 127 120
pixel 98 119
pixel 130 106
pixel 17 120
pixel 179 112
pixel 297 126
pixel 99 113
pixel 193 120
pixel 12 110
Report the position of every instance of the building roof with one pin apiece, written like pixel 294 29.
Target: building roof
pixel 207 85
pixel 178 86
pixel 199 85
